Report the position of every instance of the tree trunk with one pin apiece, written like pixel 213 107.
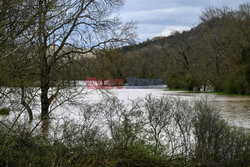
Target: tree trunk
pixel 44 70
pixel 45 83
pixel 44 101
pixel 205 86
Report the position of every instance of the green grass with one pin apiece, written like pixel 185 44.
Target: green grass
pixel 4 111
pixel 227 94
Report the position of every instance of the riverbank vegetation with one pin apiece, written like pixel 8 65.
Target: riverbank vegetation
pixel 207 92
pixel 151 132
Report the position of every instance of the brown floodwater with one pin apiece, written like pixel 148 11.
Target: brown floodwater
pixel 235 109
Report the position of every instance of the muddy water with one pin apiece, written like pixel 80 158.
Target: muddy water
pixel 235 109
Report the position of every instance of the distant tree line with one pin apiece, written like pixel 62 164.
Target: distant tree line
pixel 215 55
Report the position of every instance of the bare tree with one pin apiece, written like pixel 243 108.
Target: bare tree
pixel 66 29
pixel 52 33
pixel 16 19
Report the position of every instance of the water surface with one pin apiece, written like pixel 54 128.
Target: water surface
pixel 235 109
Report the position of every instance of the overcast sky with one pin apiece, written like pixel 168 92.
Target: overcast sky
pixel 161 17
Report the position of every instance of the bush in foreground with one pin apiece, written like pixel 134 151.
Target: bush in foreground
pixel 155 132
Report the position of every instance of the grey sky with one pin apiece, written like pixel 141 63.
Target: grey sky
pixel 161 17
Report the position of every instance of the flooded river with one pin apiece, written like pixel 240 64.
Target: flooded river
pixel 235 109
